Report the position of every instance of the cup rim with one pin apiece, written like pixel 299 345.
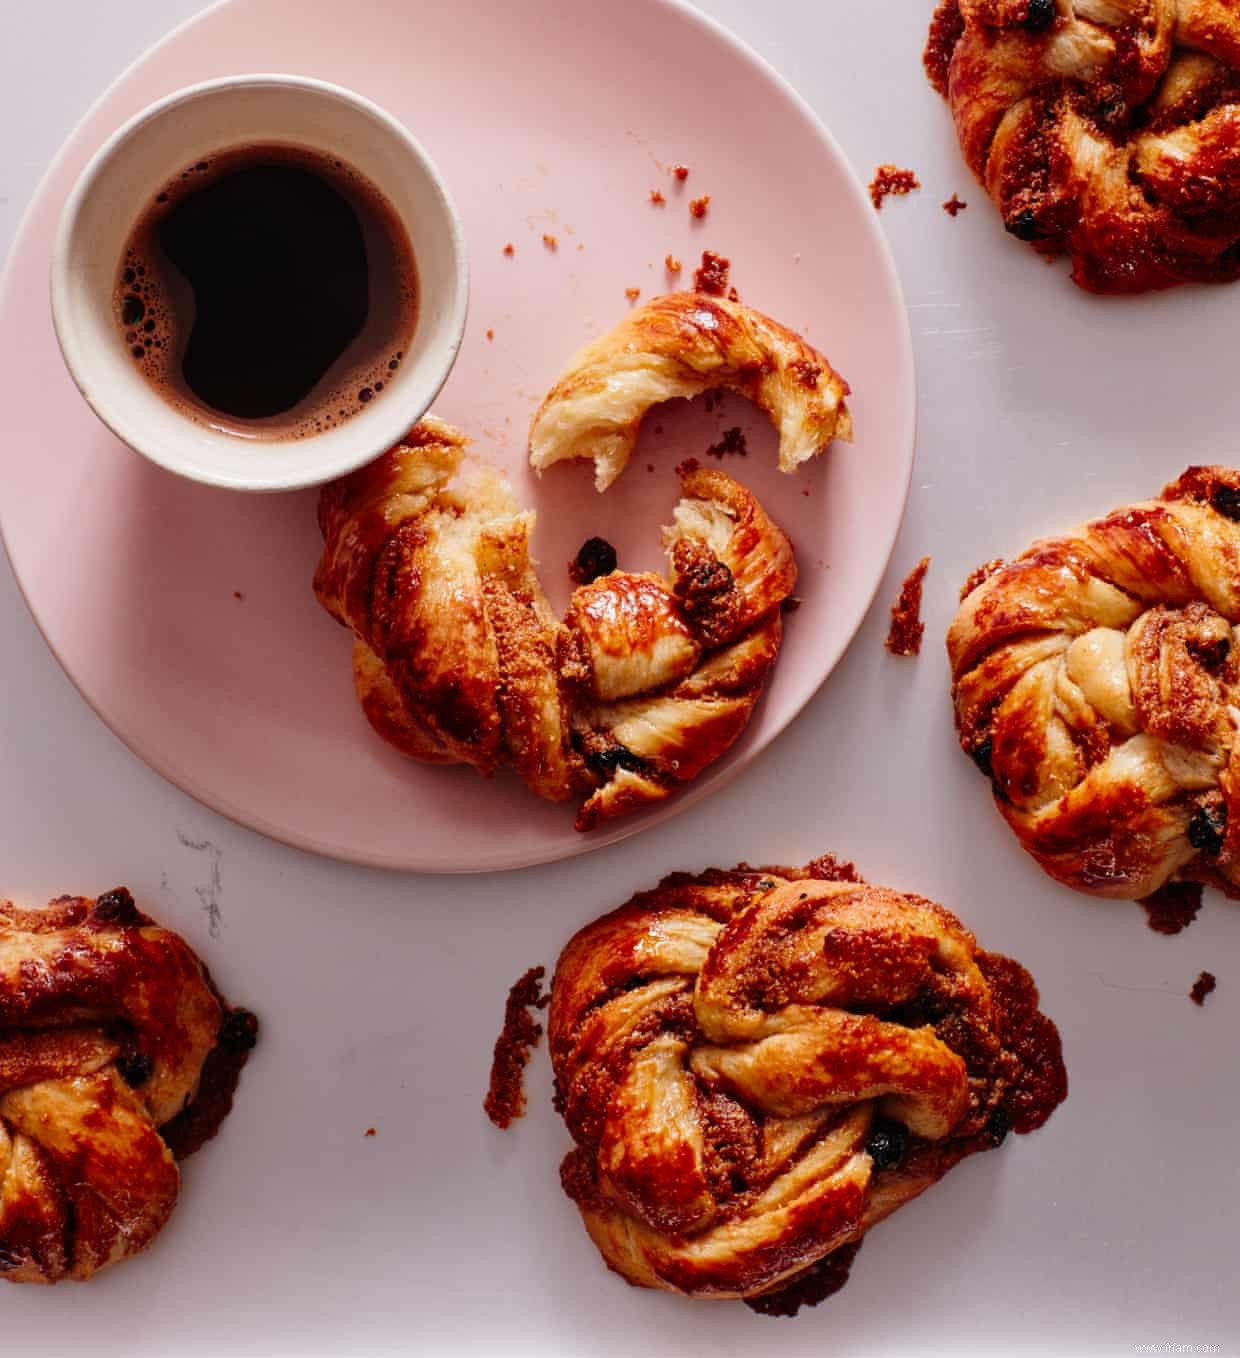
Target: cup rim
pixel 387 422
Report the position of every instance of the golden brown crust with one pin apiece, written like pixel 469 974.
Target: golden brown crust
pixel 1095 682
pixel 681 345
pixel 756 1068
pixel 1108 130
pixel 458 659
pixel 106 1025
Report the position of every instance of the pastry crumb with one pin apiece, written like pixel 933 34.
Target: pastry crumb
pixel 1173 907
pixel 237 594
pixel 370 1131
pixel 632 293
pixel 681 172
pixel 711 276
pixel 1204 985
pixel 490 334
pixel 657 198
pixel 891 182
pixel 907 628
pixel 505 1098
pixel 955 205
pixel 550 241
pixel 671 264
pixel 699 206
pixel 732 444
pixel 510 249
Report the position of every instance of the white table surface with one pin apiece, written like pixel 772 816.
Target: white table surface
pixel 381 994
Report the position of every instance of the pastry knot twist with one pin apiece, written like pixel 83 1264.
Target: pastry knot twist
pixel 1107 129
pixel 106 1024
pixel 1095 682
pixel 759 1065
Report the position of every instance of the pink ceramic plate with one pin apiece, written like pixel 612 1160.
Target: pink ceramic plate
pixel 184 614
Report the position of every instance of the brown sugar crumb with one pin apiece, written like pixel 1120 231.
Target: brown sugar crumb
pixel 490 334
pixel 732 444
pixel 907 628
pixel 237 594
pixel 1204 985
pixel 1173 907
pixel 980 576
pixel 699 206
pixel 820 1281
pixel 632 293
pixel 550 242
pixel 657 198
pixel 671 264
pixel 890 181
pixel 509 250
pixel 955 205
pixel 505 1100
pixel 370 1131
pixel 711 276
pixel 690 464
pixel 681 172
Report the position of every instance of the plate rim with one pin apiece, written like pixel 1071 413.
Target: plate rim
pixel 689 796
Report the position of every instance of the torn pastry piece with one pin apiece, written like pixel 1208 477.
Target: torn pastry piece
pixel 1097 686
pixel 681 345
pixel 667 674
pixel 757 1066
pixel 455 659
pixel 117 1057
pixel 1107 130
pixel 459 659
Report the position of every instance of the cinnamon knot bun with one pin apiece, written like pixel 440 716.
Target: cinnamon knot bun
pixel 459 658
pixel 682 345
pixel 1096 685
pixel 1108 130
pixel 116 1055
pixel 759 1065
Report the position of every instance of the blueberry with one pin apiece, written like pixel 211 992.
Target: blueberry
pixel 239 1030
pixel 982 755
pixel 1040 17
pixel 998 1125
pixel 615 757
pixel 887 1145
pixel 1207 828
pixel 135 1068
pixel 116 907
pixel 1024 226
pixel 1226 499
pixel 596 557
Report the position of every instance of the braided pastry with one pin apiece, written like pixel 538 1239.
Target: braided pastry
pixel 116 1054
pixel 759 1065
pixel 458 657
pixel 1095 683
pixel 680 346
pixel 1105 129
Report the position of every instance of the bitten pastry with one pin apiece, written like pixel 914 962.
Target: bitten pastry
pixel 117 1056
pixel 757 1066
pixel 458 657
pixel 1108 130
pixel 1096 685
pixel 680 346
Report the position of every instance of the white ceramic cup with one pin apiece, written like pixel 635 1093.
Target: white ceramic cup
pixel 135 164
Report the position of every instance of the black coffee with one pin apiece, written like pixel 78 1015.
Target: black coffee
pixel 269 291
